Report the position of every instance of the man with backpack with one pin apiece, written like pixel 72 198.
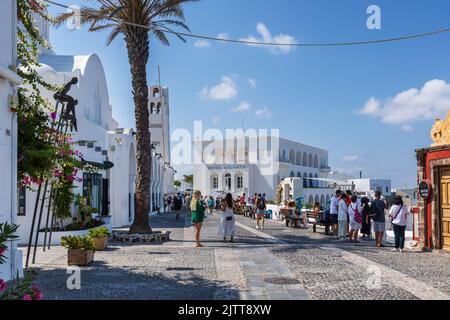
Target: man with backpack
pixel 260 211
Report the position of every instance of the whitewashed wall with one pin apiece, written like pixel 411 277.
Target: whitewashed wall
pixel 8 134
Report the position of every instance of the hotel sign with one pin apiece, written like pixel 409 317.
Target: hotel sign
pixel 227 167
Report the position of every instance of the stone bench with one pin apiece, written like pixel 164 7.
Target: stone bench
pixel 133 238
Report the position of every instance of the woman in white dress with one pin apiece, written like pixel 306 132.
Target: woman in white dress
pixel 342 217
pixel 227 220
pixel 355 217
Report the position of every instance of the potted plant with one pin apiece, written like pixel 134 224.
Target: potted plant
pixel 100 238
pixel 80 250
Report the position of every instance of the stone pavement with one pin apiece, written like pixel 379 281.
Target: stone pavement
pixel 272 264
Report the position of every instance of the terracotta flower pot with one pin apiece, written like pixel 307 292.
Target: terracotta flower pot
pixel 79 257
pixel 100 243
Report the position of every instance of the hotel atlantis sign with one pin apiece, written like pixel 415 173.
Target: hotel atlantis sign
pixel 226 167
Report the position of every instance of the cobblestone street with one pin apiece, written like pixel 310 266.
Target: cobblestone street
pixel 276 264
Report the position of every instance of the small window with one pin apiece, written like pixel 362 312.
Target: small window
pixel 387 189
pixel 215 182
pixel 239 182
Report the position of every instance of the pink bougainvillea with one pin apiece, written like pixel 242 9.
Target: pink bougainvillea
pixel 3 285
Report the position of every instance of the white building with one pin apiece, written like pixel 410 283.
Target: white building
pixel 231 171
pixel 370 186
pixel 8 132
pixel 99 139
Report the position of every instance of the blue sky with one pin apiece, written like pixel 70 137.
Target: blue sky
pixel 313 95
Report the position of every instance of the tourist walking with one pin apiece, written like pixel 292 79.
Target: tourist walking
pixel 398 215
pixel 242 199
pixel 355 219
pixel 342 217
pixel 177 204
pixel 165 202
pixel 334 211
pixel 365 213
pixel 198 215
pixel 211 204
pixel 379 219
pixel 227 220
pixel 260 211
pixel 187 201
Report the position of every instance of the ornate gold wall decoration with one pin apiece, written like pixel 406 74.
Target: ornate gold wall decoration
pixel 440 133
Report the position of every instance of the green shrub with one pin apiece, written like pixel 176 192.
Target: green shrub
pixel 99 233
pixel 74 242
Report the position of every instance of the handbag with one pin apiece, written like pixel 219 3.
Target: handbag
pixel 229 218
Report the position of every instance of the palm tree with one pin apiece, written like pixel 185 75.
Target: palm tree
pixel 189 179
pixel 136 21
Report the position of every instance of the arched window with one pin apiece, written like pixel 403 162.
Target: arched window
pixel 158 108
pixel 322 200
pixel 310 160
pixel 298 158
pixel 328 200
pixel 292 175
pixel 316 161
pixel 311 200
pixel 311 185
pixel 214 182
pixel 299 174
pixel 305 180
pixel 152 108
pixel 305 159
pixel 155 93
pixel 292 156
pixel 316 199
pixel 239 181
pixel 227 182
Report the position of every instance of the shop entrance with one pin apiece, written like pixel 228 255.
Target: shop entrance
pixel 444 206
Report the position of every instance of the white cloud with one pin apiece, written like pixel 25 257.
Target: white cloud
pixel 244 106
pixel 350 158
pixel 202 44
pixel 264 113
pixel 266 36
pixel 429 102
pixel 226 90
pixel 252 83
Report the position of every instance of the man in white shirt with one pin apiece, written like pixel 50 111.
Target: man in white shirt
pixel 334 210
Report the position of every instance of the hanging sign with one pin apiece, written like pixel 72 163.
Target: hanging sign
pixel 425 190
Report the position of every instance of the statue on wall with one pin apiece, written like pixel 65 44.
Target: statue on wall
pixel 440 133
pixel 63 97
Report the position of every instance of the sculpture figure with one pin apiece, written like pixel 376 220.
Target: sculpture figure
pixel 63 97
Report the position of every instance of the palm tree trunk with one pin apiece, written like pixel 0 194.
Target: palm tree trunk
pixel 138 52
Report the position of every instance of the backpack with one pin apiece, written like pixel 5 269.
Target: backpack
pixel 371 211
pixel 358 218
pixel 261 205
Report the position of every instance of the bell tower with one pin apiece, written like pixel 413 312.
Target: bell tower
pixel 159 120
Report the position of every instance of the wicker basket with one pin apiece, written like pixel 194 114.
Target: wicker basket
pixel 79 257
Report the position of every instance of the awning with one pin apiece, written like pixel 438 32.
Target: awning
pixel 106 165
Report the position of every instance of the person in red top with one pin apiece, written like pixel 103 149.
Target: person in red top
pixel 242 199
pixel 348 201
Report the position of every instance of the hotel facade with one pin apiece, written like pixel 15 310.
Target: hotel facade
pixel 225 166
